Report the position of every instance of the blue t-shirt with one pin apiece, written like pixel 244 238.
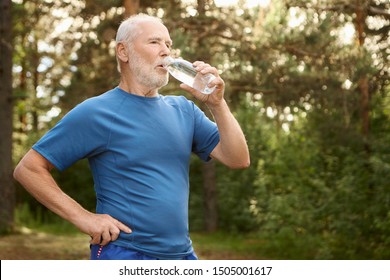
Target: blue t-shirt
pixel 139 152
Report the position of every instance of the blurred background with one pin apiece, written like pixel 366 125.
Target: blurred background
pixel 308 80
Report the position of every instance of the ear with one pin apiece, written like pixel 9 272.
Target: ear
pixel 121 52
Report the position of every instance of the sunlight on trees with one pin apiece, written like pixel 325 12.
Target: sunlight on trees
pixel 297 74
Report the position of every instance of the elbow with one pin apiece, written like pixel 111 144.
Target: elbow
pixel 245 161
pixel 242 164
pixel 234 160
pixel 247 164
pixel 17 172
pixel 20 170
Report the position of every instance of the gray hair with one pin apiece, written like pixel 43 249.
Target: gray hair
pixel 129 29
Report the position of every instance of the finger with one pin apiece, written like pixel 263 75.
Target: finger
pixel 123 227
pixel 205 68
pixel 106 238
pixel 95 239
pixel 198 64
pixel 114 233
pixel 191 90
pixel 188 88
pixel 197 94
pixel 209 70
pixel 218 82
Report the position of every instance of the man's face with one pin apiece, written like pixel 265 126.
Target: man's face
pixel 146 53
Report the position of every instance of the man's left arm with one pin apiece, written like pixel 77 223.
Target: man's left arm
pixel 232 149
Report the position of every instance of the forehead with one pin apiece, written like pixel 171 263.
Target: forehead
pixel 152 29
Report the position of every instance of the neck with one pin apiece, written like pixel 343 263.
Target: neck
pixel 138 90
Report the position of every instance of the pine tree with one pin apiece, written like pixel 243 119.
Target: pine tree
pixel 7 192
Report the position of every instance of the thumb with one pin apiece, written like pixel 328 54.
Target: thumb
pixel 188 88
pixel 197 94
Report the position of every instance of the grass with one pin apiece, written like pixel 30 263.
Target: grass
pixel 218 245
pixel 221 245
pixel 46 236
pixel 47 243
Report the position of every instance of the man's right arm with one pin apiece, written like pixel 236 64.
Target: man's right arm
pixel 33 173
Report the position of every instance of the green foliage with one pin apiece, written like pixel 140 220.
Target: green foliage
pixel 77 181
pixel 317 187
pixel 41 220
pixel 230 245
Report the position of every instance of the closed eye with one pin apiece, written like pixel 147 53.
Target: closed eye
pixel 168 44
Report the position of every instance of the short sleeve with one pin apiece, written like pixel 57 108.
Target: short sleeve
pixel 206 135
pixel 76 136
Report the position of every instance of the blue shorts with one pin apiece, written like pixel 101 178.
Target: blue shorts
pixel 114 252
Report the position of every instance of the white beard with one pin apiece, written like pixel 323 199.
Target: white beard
pixel 145 73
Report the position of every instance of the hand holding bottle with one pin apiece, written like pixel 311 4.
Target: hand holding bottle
pixel 198 76
pixel 185 72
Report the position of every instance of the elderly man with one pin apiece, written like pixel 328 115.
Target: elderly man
pixel 138 144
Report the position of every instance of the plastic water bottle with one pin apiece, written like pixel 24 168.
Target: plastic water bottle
pixel 183 71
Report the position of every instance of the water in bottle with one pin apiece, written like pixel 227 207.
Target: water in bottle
pixel 186 73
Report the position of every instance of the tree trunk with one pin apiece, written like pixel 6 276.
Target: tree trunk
pixel 131 7
pixel 364 88
pixel 363 83
pixel 7 192
pixel 365 105
pixel 209 168
pixel 210 196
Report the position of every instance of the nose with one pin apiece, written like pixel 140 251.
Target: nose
pixel 165 51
